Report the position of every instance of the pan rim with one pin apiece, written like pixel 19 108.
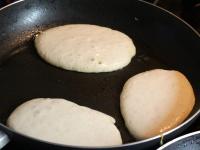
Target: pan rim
pixel 6 6
pixel 178 139
pixel 142 1
pixel 172 14
pixel 196 114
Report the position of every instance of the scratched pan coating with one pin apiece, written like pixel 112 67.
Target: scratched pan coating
pixel 162 41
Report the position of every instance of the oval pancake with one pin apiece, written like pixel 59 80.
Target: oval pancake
pixel 156 101
pixel 85 48
pixel 64 122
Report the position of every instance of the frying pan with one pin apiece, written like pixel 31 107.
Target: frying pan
pixel 189 141
pixel 162 41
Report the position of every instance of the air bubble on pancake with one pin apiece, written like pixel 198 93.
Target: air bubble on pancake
pixel 100 62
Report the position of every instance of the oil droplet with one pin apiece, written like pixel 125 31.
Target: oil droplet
pixel 136 19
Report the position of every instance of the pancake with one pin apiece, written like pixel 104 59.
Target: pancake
pixel 64 122
pixel 156 101
pixel 85 48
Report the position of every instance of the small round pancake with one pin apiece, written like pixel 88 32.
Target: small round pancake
pixel 85 48
pixel 156 101
pixel 64 122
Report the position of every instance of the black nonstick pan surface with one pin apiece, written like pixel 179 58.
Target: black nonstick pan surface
pixel 162 41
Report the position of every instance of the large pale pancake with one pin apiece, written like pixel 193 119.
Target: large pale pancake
pixel 85 48
pixel 64 122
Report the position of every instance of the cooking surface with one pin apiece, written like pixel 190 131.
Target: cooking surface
pixel 16 66
pixel 36 79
